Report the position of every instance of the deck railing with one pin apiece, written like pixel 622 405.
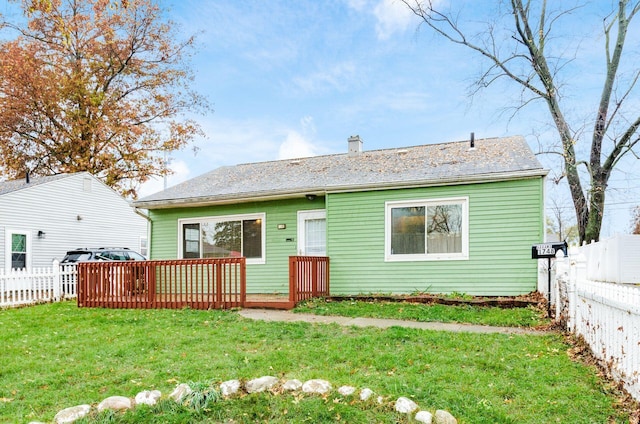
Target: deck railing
pixel 196 283
pixel 308 277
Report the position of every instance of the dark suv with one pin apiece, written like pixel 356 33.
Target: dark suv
pixel 102 254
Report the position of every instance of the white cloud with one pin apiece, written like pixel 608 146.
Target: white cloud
pixel 181 173
pixel 358 5
pixel 308 126
pixel 231 142
pixel 228 142
pixel 340 77
pixel 298 145
pixel 234 141
pixel 392 16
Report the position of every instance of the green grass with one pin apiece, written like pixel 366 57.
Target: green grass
pixel 514 317
pixel 56 355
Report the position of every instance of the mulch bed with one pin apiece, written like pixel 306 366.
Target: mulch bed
pixel 535 299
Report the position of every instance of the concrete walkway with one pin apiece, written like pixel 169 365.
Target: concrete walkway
pixel 288 316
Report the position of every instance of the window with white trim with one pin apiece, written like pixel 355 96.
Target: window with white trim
pixel 429 229
pixel 144 251
pixel 223 237
pixel 17 249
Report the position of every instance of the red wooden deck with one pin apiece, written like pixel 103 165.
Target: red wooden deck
pixel 212 283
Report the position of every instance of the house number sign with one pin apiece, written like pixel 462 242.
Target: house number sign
pixel 547 250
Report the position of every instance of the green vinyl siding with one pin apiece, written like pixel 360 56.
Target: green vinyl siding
pixel 505 219
pixel 270 277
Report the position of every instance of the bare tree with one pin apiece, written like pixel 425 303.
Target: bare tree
pixel 559 225
pixel 520 48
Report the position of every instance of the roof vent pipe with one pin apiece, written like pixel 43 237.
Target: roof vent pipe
pixel 26 177
pixel 355 145
pixel 472 140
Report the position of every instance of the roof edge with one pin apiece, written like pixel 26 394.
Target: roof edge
pixel 301 192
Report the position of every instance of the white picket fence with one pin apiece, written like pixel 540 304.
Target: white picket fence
pixel 37 285
pixel 599 299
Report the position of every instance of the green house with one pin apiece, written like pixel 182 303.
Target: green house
pixel 439 218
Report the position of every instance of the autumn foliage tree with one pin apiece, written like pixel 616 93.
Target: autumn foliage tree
pixel 94 85
pixel 524 43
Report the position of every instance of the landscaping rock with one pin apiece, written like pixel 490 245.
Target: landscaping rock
pixel 261 384
pixel 365 394
pixel 316 386
pixel 444 417
pixel 402 405
pixel 69 415
pixel 180 392
pixel 405 405
pixel 424 417
pixel 148 397
pixel 347 390
pixel 115 403
pixel 292 385
pixel 230 387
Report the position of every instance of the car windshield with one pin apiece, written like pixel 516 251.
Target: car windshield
pixel 102 254
pixel 136 256
pixel 77 256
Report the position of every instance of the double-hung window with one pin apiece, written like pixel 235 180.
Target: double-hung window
pixel 224 237
pixel 429 229
pixel 17 249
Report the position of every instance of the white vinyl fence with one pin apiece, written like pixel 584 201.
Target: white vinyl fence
pixel 598 292
pixel 24 287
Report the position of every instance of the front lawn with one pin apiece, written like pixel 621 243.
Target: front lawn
pixel 56 355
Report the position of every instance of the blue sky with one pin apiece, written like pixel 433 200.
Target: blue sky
pixel 297 78
pixel 292 78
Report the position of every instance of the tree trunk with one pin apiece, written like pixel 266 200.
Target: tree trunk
pixel 596 208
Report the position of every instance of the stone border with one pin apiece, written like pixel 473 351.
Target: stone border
pixel 270 384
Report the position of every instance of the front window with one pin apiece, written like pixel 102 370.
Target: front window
pixel 191 241
pixel 427 230
pixel 223 237
pixel 407 230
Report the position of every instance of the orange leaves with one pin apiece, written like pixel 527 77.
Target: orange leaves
pixel 39 6
pixel 97 86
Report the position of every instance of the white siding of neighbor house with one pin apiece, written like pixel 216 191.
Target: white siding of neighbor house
pixel 106 219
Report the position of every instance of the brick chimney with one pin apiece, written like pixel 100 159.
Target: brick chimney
pixel 355 145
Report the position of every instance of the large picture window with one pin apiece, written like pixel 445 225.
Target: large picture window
pixel 224 237
pixel 427 230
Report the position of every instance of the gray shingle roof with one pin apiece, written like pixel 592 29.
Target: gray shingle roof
pixel 432 164
pixel 11 186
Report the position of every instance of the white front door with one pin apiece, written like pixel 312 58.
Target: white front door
pixel 312 233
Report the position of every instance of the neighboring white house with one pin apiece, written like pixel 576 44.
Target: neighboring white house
pixel 41 219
